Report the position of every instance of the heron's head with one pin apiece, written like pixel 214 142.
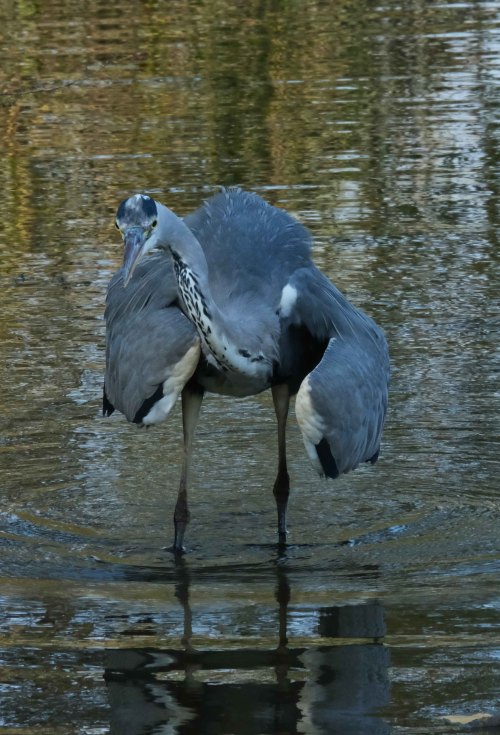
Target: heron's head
pixel 137 220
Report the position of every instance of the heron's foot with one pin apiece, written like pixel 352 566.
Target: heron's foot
pixel 282 529
pixel 281 491
pixel 180 529
pixel 181 520
pixel 177 551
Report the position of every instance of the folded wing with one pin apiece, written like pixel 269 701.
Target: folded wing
pixel 341 403
pixel 152 349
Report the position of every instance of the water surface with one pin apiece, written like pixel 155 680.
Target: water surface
pixel 378 126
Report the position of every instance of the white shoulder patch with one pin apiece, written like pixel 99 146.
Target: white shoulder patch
pixel 288 300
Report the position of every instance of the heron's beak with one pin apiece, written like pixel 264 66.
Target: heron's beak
pixel 134 240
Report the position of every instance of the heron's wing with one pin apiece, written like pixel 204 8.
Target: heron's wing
pixel 152 349
pixel 251 247
pixel 342 402
pixel 153 284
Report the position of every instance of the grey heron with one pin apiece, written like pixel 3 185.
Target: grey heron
pixel 233 304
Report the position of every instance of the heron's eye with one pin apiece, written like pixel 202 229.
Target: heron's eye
pixel 154 223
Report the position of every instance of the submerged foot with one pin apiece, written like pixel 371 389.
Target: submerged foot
pixel 176 550
pixel 281 492
pixel 178 545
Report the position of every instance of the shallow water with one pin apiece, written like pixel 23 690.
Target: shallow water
pixel 378 126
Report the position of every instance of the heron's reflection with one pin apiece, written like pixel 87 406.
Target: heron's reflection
pixel 323 689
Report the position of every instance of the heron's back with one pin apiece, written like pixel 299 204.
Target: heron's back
pixel 250 246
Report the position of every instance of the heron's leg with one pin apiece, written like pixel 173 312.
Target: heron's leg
pixel 192 398
pixel 281 489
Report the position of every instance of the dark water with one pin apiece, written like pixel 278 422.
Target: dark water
pixel 378 125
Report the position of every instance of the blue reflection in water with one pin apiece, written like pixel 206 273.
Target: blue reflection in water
pixel 284 689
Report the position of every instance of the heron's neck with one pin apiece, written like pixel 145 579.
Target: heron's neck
pixel 225 342
pixel 175 236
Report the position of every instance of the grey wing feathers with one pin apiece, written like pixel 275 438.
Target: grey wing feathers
pixel 341 404
pixel 153 285
pixel 146 336
pixel 250 246
pixel 341 407
pixel 325 311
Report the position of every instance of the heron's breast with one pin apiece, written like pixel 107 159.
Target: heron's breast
pixel 231 383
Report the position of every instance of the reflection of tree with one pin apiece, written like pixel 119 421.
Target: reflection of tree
pixel 316 691
pixel 237 95
pixel 266 92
